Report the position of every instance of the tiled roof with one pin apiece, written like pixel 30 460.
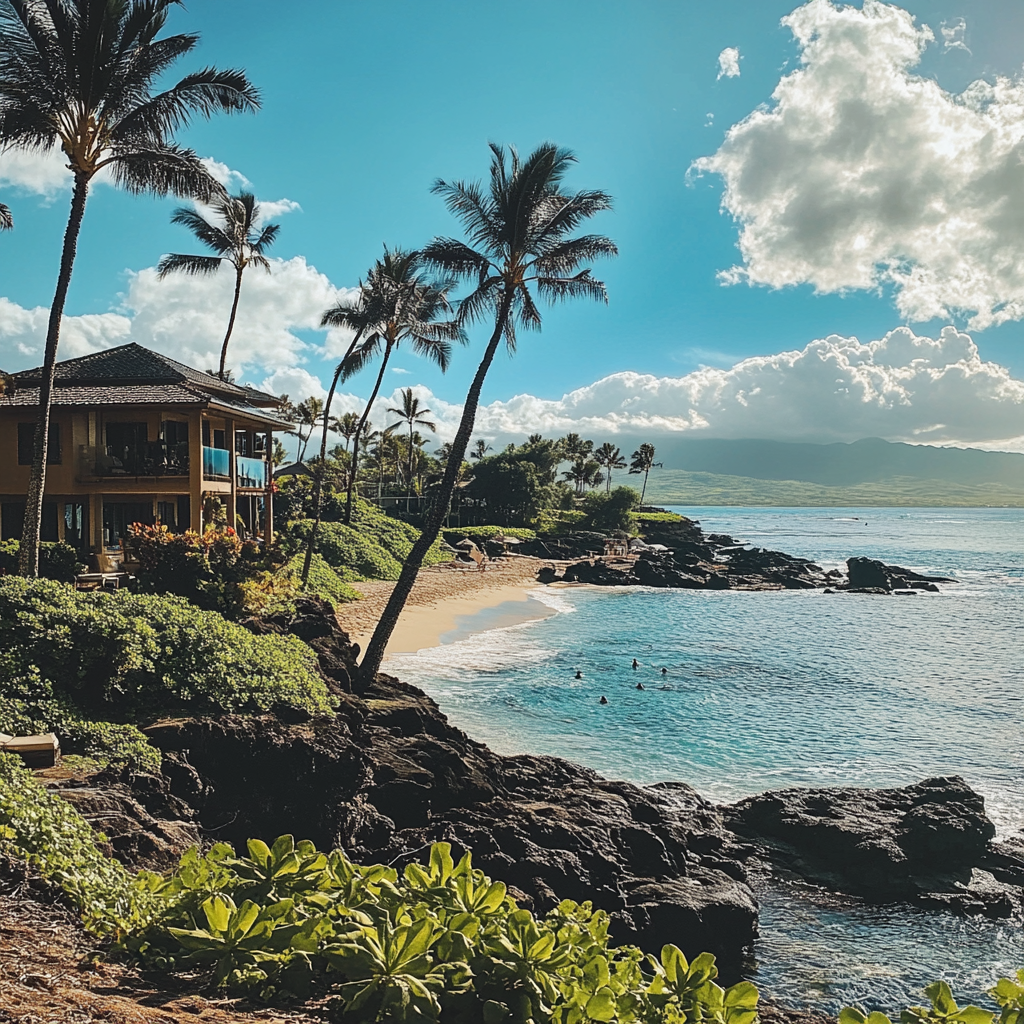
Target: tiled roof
pixel 110 394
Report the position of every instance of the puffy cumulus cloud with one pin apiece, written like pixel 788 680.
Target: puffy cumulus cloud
pixel 862 173
pixel 297 383
pixel 23 334
pixel 729 63
pixel 43 172
pixel 902 387
pixel 186 316
pixel 227 176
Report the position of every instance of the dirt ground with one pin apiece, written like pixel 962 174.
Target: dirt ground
pixel 49 975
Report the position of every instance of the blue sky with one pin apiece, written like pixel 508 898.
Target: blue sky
pixel 365 104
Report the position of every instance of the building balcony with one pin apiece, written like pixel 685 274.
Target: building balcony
pixel 216 463
pixel 147 459
pixel 250 474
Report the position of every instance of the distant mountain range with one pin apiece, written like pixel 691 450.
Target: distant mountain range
pixel 867 472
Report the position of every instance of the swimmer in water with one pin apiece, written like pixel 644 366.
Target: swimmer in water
pixel 603 700
pixel 636 664
pixel 639 686
pixel 579 675
pixel 664 671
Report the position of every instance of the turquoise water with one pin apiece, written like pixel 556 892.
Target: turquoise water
pixel 766 690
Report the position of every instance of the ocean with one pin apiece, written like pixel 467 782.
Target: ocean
pixel 791 688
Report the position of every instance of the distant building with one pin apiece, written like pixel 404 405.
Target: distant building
pixel 136 436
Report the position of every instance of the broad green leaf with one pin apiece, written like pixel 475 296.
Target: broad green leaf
pixel 974 1015
pixel 259 852
pixel 674 962
pixel 283 845
pixel 743 994
pixel 942 998
pixel 601 1006
pixel 217 910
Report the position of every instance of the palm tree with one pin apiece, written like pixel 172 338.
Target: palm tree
pixel 237 240
pixel 479 449
pixel 643 462
pixel 584 473
pixel 411 413
pixel 520 228
pixel 6 220
pixel 309 415
pixel 80 74
pixel 574 447
pixel 345 425
pixel 609 457
pixel 406 306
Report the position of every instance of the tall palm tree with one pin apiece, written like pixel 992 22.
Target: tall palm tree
pixel 584 473
pixel 345 425
pixel 520 230
pixel 6 220
pixel 237 238
pixel 479 449
pixel 81 74
pixel 609 457
pixel 407 307
pixel 411 413
pixel 309 415
pixel 643 462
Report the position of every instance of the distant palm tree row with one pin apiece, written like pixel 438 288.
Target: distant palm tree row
pixel 83 74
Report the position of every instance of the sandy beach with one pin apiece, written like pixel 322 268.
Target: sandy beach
pixel 442 598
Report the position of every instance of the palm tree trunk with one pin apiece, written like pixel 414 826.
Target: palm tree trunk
pixel 359 430
pixel 231 321
pixel 644 491
pixel 318 482
pixel 438 511
pixel 28 555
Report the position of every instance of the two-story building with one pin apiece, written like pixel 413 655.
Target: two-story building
pixel 136 436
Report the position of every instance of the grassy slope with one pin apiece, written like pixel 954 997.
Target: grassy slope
pixel 679 487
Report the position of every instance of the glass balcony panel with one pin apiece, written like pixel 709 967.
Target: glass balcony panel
pixel 250 472
pixel 217 463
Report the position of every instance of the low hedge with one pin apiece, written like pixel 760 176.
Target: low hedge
pixel 133 657
pixel 324 582
pixel 483 533
pixel 57 561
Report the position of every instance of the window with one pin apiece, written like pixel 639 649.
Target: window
pixel 76 525
pixel 184 512
pixel 12 517
pixel 118 514
pixel 174 432
pixel 220 439
pixel 166 512
pixel 26 440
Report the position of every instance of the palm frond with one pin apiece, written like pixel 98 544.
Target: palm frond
pixel 451 256
pixel 211 235
pixel 582 286
pixel 266 239
pixel 562 259
pixel 163 170
pixel 6 219
pixel 260 261
pixel 360 356
pixel 197 266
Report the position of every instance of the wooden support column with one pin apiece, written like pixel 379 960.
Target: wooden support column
pixel 268 499
pixel 195 471
pixel 229 433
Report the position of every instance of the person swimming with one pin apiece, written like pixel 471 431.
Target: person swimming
pixel 639 686
pixel 603 700
pixel 636 664
pixel 664 671
pixel 579 675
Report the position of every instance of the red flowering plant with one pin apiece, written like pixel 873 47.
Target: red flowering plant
pixel 216 569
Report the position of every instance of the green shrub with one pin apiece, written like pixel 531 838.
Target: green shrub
pixel 439 941
pixel 57 561
pixel 373 547
pixel 640 518
pixel 133 657
pixel 610 511
pixel 557 522
pixel 324 582
pixel 46 832
pixel 1008 994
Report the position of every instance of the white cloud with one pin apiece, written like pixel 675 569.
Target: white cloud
pixel 954 35
pixel 42 172
pixel 229 178
pixel 902 387
pixel 729 63
pixel 400 370
pixel 274 208
pixel 23 334
pixel 862 173
pixel 298 384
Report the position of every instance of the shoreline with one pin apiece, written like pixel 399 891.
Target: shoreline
pixel 442 601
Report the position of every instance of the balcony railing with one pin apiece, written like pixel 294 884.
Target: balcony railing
pixel 216 463
pixel 250 473
pixel 149 458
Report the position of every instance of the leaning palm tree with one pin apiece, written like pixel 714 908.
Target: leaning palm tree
pixel 235 236
pixel 411 413
pixel 407 307
pixel 520 232
pixel 609 457
pixel 81 74
pixel 309 415
pixel 479 449
pixel 643 462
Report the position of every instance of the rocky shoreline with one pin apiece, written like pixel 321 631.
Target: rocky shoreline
pixel 680 555
pixel 389 775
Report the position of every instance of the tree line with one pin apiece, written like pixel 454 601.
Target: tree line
pixel 83 74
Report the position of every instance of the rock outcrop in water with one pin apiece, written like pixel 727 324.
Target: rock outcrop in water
pixel 681 556
pixel 930 842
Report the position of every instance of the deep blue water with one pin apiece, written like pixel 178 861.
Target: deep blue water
pixel 766 690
